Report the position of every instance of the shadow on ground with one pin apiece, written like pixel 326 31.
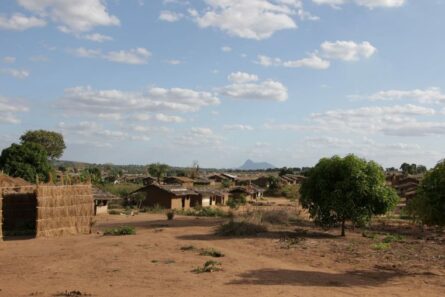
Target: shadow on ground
pixel 359 278
pixel 154 224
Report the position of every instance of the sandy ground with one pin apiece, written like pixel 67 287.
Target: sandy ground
pixel 295 261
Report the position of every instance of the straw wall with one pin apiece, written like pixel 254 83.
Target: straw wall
pixel 63 210
pixel 1 216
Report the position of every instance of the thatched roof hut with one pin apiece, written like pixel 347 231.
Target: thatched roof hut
pixel 45 210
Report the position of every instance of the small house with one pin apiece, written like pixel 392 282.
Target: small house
pixel 179 180
pixel 167 196
pixel 101 200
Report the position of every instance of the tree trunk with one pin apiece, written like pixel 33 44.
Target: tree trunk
pixel 343 227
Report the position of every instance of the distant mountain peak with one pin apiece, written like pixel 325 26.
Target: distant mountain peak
pixel 251 165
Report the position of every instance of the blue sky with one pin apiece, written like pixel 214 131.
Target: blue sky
pixel 221 81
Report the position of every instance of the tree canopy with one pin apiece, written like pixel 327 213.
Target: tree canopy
pixel 28 161
pixel 158 170
pixel 52 142
pixel 346 189
pixel 428 206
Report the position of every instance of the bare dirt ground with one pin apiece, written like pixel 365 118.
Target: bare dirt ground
pixel 295 260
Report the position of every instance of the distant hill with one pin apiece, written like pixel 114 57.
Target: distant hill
pixel 251 165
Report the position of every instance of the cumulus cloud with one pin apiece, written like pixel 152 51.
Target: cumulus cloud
pixel 8 60
pixel 313 61
pixel 154 100
pixel 9 110
pixel 226 49
pixel 20 22
pixel 255 19
pixel 16 73
pixel 170 16
pixel 243 87
pixel 366 3
pixel 428 95
pixel 238 127
pixel 199 137
pixel 398 120
pixel 96 37
pixel 347 50
pixel 242 77
pixel 136 56
pixel 72 16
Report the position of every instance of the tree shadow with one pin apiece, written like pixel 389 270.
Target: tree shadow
pixel 154 224
pixel 358 278
pixel 297 234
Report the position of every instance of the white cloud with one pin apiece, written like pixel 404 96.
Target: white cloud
pixel 366 3
pixel 241 77
pixel 347 50
pixel 174 62
pixel 72 16
pixel 8 60
pixel 168 118
pixel 199 137
pixel 429 95
pixel 238 127
pixel 19 22
pixel 170 16
pixel 242 87
pixel 16 73
pixel 9 109
pixel 87 100
pixel 313 61
pixel 136 56
pixel 255 19
pixel 226 49
pixel 96 37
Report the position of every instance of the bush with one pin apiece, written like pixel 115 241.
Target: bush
pixel 155 209
pixel 236 201
pixel 203 212
pixel 275 217
pixel 291 192
pixel 241 228
pixel 381 246
pixel 170 215
pixel 122 230
pixel 114 212
pixel 209 266
pixel 211 252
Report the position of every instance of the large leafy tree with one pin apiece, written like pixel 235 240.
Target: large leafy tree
pixel 52 142
pixel 346 189
pixel 428 206
pixel 28 161
pixel 158 170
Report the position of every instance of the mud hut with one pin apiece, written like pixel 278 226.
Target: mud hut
pixel 45 210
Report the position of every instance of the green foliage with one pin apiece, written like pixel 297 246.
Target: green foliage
pixel 203 212
pixel 346 189
pixel 122 230
pixel 158 170
pixel 209 266
pixel 428 207
pixel 51 142
pixel 412 168
pixel 236 201
pixel 225 183
pixel 211 253
pixel 27 161
pixel 291 192
pixel 241 228
pixel 121 190
pixel 91 173
pixel 381 246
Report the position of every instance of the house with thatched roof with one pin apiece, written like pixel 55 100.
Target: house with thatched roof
pixel 251 192
pixel 179 180
pixel 101 200
pixel 166 196
pixel 45 210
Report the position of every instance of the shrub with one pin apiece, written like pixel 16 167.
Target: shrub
pixel 381 246
pixel 241 228
pixel 211 252
pixel 203 212
pixel 209 266
pixel 114 212
pixel 188 248
pixel 236 201
pixel 170 215
pixel 392 238
pixel 122 230
pixel 275 217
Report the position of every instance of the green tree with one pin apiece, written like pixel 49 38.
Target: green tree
pixel 158 170
pixel 28 161
pixel 346 189
pixel 52 142
pixel 92 173
pixel 428 207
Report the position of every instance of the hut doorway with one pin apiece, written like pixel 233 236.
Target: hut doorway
pixel 19 214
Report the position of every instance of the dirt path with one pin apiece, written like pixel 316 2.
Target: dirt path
pixel 151 263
